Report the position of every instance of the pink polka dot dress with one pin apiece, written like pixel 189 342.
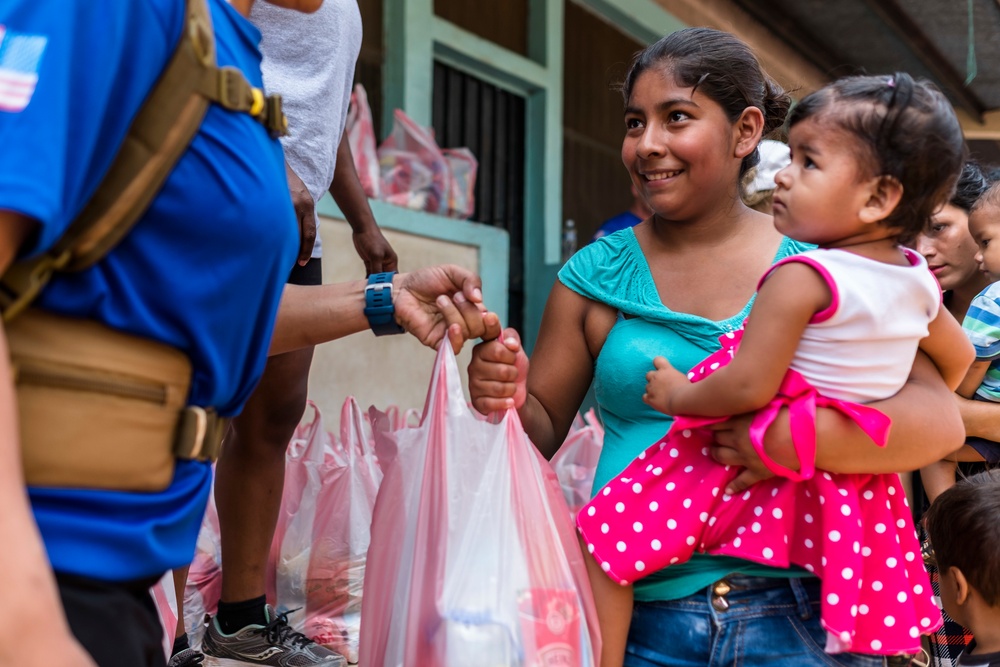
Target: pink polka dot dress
pixel 855 532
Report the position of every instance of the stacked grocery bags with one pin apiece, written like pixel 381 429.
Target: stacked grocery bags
pixel 409 169
pixel 441 539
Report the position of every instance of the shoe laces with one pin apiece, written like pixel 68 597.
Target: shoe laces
pixel 278 631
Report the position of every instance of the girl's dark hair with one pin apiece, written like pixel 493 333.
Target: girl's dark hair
pixel 722 68
pixel 990 196
pixel 964 528
pixel 906 130
pixel 971 185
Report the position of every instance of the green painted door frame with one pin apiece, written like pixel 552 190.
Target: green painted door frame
pixel 414 38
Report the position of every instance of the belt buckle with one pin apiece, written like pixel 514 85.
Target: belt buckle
pixel 720 590
pixel 194 427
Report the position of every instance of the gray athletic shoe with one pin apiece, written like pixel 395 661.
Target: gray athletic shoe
pixel 274 644
pixel 186 658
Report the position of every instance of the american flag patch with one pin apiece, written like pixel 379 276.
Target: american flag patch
pixel 20 56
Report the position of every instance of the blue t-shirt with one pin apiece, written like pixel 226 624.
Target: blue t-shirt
pixel 203 270
pixel 982 326
pixel 617 223
pixel 614 271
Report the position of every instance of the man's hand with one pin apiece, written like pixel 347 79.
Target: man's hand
pixel 305 214
pixel 374 250
pixel 661 385
pixel 436 300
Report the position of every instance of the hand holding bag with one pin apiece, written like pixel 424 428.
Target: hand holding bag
pixel 473 559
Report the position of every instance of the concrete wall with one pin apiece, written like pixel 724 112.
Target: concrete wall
pixel 390 370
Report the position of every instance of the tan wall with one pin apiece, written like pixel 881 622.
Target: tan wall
pixel 391 370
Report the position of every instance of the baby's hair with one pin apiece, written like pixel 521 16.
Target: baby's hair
pixel 964 529
pixel 721 67
pixel 989 197
pixel 906 130
pixel 992 173
pixel 971 185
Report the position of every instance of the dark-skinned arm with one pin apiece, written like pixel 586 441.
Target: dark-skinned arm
pixel 346 189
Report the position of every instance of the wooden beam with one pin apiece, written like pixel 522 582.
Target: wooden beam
pixel 812 49
pixel 986 126
pixel 921 45
pixel 787 66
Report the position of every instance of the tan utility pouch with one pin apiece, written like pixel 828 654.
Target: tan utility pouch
pixel 101 409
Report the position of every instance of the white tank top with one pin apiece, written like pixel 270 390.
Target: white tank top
pixel 309 60
pixel 862 347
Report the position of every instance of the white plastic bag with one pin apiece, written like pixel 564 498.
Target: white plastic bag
pixel 473 558
pixel 576 460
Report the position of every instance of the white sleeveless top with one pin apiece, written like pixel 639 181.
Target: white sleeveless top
pixel 309 60
pixel 861 348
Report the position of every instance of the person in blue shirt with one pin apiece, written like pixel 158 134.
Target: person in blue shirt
pixel 636 213
pixel 203 271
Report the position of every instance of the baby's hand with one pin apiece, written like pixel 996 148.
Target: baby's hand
pixel 662 385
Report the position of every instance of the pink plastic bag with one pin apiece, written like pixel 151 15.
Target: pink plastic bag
pixel 204 582
pixel 288 564
pixel 576 460
pixel 318 553
pixel 165 599
pixel 473 556
pixel 415 173
pixel 341 532
pixel 462 185
pixel 361 138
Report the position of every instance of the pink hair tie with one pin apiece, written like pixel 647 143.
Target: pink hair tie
pixel 891 82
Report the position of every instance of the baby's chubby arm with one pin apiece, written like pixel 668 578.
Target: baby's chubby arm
pixel 785 303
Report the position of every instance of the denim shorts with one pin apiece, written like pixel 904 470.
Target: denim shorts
pixel 740 621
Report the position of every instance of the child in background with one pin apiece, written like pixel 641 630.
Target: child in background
pixel 872 158
pixel 982 326
pixel 964 528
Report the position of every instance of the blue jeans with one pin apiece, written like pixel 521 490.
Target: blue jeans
pixel 754 621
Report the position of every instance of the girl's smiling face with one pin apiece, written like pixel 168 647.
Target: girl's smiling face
pixel 679 148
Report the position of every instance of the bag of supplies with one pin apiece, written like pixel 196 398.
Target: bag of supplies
pixel 361 138
pixel 473 557
pixel 576 460
pixel 341 532
pixel 204 582
pixel 165 599
pixel 319 556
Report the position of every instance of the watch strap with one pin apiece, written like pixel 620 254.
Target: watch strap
pixel 379 309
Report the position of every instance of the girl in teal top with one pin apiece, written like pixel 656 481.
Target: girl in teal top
pixel 696 106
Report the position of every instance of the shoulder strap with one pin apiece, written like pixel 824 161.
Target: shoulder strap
pixel 159 135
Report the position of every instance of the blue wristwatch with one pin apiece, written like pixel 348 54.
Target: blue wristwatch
pixel 379 310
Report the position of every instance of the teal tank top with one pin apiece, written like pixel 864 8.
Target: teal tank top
pixel 613 270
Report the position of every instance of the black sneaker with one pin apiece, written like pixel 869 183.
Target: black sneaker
pixel 186 658
pixel 274 644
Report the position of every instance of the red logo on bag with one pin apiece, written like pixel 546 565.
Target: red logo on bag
pixel 550 622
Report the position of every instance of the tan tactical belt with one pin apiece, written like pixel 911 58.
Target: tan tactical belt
pixel 101 409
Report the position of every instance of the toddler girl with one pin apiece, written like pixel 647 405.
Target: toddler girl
pixel 872 158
